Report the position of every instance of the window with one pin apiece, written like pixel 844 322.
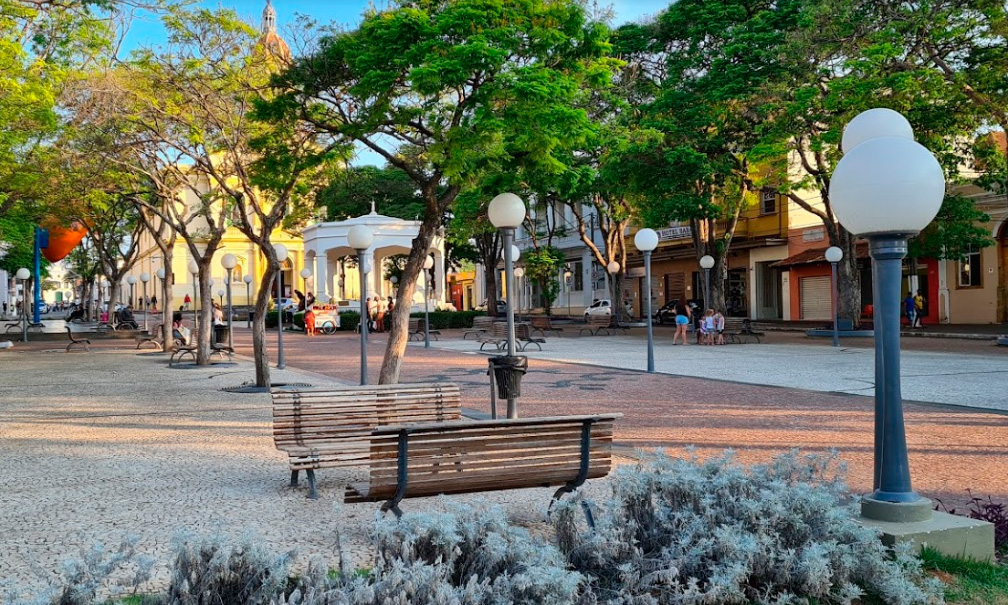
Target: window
pixel 577 277
pixel 970 270
pixel 768 201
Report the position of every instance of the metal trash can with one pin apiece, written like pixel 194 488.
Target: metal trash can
pixel 220 334
pixel 507 373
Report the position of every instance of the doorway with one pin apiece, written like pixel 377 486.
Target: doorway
pixel 769 291
pixel 1002 294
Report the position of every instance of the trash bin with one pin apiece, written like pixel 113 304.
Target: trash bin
pixel 507 372
pixel 251 315
pixel 220 334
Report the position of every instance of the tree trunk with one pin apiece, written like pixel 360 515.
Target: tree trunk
pixel 206 312
pixel 167 303
pixel 399 322
pixel 848 279
pixel 113 298
pixel 259 353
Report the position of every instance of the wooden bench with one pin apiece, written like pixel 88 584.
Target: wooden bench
pixel 738 328
pixel 543 324
pixel 416 328
pixel 597 323
pixel 497 335
pixel 152 336
pixel 332 428
pixel 84 342
pixel 481 325
pixel 485 455
pixel 524 337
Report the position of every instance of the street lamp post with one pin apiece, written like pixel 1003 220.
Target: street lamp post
pixel 613 268
pixel 519 273
pixel 305 274
pixel 229 262
pixel 144 278
pixel 131 280
pixel 281 254
pixel 506 212
pixel 360 238
pixel 646 241
pixel 428 264
pixel 834 255
pixel 887 188
pixel 706 263
pixel 23 274
pixel 194 271
pixel 567 280
pixel 248 298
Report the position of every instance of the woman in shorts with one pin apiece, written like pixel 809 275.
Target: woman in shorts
pixel 682 320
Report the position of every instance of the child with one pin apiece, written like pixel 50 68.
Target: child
pixel 708 327
pixel 719 326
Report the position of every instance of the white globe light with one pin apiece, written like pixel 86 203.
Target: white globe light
pixel 247 279
pixel 211 281
pixel 834 254
pixel 613 267
pixel 428 262
pixel 706 261
pixel 23 274
pixel 507 210
pixel 519 272
pixel 646 240
pixel 366 266
pixel 360 237
pixel 394 280
pixel 229 261
pixel 887 185
pixel 193 267
pixel 875 123
pixel 160 273
pixel 515 253
pixel 145 277
pixel 305 273
pixel 220 292
pixel 131 280
pixel 281 252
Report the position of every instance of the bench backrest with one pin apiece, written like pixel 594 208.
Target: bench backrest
pixel 415 325
pixel 487 455
pixel 600 320
pixel 303 418
pixel 482 322
pixel 541 321
pixel 523 331
pixel 498 329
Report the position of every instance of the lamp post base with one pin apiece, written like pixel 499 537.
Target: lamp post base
pixel 896 512
pixel 915 522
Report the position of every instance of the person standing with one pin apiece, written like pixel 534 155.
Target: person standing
pixel 909 307
pixel 719 327
pixel 682 320
pixel 186 302
pixel 919 303
pixel 380 319
pixel 371 312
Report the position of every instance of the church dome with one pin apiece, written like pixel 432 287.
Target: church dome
pixel 270 40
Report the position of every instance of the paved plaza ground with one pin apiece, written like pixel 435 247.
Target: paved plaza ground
pixel 101 445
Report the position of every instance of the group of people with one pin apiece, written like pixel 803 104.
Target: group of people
pixel 378 311
pixel 914 309
pixel 708 325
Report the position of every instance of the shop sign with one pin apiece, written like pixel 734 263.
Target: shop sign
pixel 817 234
pixel 675 233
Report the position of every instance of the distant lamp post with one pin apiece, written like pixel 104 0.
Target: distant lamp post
pixel 229 262
pixel 706 263
pixel 248 297
pixel 567 280
pixel 394 281
pixel 281 254
pixel 887 188
pixel 305 274
pixel 428 264
pixel 613 268
pixel 360 238
pixel 144 278
pixel 519 273
pixel 506 212
pixel 131 280
pixel 646 241
pixel 23 274
pixel 164 290
pixel 834 255
pixel 194 271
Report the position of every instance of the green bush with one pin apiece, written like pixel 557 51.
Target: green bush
pixel 451 320
pixel 348 321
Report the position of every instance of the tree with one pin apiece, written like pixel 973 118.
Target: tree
pixel 351 192
pixel 542 265
pixel 470 84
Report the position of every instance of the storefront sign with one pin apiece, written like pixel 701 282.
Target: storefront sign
pixel 675 233
pixel 814 235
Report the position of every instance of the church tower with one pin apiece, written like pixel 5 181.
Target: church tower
pixel 270 40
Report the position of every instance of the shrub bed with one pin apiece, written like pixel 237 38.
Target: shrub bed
pixel 451 320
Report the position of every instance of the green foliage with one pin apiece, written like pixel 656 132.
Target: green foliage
pixel 450 320
pixel 958 229
pixel 17 232
pixel 972 582
pixel 351 192
pixel 543 266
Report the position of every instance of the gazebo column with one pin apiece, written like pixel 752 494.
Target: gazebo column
pixel 322 276
pixel 376 275
pixel 439 276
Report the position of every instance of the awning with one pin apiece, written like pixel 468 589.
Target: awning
pixel 817 255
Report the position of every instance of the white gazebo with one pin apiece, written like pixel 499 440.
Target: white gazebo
pixel 325 246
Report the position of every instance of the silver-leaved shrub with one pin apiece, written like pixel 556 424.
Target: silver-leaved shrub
pixel 685 531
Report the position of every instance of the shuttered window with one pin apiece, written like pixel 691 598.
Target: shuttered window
pixel 815 298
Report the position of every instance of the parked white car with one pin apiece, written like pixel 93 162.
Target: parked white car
pixel 599 307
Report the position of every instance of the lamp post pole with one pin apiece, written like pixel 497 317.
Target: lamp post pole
pixel 506 212
pixel 229 261
pixel 360 238
pixel 519 273
pixel 706 262
pixel 834 255
pixel 646 241
pixel 613 268
pixel 281 254
pixel 567 281
pixel 886 188
pixel 23 274
pixel 144 278
pixel 194 271
pixel 132 284
pixel 427 265
pixel 248 299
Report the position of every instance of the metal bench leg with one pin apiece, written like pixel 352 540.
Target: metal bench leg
pixel 582 475
pixel 294 478
pixel 402 476
pixel 311 484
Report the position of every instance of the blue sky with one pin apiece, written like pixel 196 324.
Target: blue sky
pixel 146 29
